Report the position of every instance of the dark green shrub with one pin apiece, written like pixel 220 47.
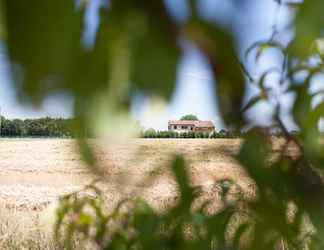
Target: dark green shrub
pixel 150 133
pixel 191 135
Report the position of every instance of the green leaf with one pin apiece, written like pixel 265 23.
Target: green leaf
pixel 180 173
pixel 309 26
pixel 317 113
pixel 2 24
pixel 152 38
pixel 43 39
pixel 146 231
pixel 219 48
pixel 253 155
pixel 302 106
pixel 87 154
pixel 239 233
pixel 85 219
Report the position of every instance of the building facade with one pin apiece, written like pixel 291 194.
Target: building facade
pixel 191 126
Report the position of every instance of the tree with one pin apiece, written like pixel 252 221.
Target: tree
pixel 189 117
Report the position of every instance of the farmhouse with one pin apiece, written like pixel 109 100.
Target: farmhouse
pixel 191 126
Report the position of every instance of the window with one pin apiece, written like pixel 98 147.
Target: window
pixel 175 126
pixel 184 127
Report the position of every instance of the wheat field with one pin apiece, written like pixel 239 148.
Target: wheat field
pixel 36 172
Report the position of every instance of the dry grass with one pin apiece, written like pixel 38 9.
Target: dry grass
pixel 21 230
pixel 34 173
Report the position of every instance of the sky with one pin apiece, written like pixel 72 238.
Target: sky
pixel 194 92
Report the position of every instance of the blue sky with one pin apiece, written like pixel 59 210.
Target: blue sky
pixel 194 87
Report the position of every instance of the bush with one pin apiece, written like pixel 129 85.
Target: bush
pixel 150 133
pixel 191 135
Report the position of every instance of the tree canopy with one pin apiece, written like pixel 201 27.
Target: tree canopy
pixel 189 117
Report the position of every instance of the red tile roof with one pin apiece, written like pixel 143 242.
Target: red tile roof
pixel 205 124
pixel 199 124
pixel 182 122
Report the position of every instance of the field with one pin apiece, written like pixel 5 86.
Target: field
pixel 36 172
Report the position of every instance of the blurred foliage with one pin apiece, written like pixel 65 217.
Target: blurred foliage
pixel 137 50
pixel 135 225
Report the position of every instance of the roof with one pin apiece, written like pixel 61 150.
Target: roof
pixel 205 124
pixel 182 122
pixel 199 124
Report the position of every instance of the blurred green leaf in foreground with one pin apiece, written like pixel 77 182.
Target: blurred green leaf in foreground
pixel 137 49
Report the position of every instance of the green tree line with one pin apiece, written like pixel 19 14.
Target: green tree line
pixel 42 127
pixel 151 133
pixel 63 127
